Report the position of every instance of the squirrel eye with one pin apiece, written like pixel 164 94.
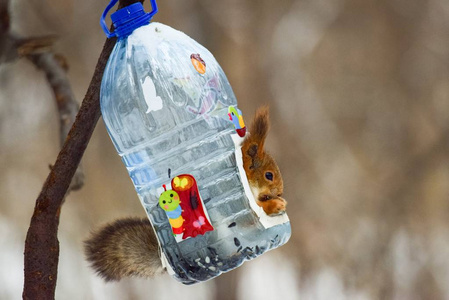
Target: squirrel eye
pixel 269 176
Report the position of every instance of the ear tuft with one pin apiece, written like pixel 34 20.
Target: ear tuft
pixel 260 126
pixel 253 145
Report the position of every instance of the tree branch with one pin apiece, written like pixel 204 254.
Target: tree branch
pixel 4 16
pixel 41 244
pixel 54 68
pixel 12 46
pixel 38 50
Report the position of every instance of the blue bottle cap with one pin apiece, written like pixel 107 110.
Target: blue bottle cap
pixel 127 19
pixel 128 13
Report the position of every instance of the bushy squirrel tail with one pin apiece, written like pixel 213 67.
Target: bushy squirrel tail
pixel 127 247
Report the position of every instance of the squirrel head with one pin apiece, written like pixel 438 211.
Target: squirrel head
pixel 263 173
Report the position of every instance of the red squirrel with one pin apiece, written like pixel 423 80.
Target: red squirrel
pixel 129 247
pixel 262 171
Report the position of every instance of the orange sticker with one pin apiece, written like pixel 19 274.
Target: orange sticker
pixel 198 63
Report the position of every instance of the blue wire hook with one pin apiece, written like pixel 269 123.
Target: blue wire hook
pixel 110 6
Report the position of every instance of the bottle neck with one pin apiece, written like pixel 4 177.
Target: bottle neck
pixel 127 19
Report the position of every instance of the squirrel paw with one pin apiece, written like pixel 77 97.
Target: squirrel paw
pixel 274 206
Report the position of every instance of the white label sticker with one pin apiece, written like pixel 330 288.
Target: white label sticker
pixel 153 101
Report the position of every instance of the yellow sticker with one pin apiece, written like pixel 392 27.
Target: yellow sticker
pixel 181 182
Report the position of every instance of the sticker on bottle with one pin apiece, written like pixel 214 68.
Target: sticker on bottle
pixel 153 101
pixel 235 115
pixel 185 208
pixel 198 63
pixel 209 101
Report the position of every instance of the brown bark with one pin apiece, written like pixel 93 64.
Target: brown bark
pixel 41 244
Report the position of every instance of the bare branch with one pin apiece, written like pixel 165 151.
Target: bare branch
pixel 12 46
pixel 41 244
pixel 7 43
pixel 35 45
pixel 54 69
pixel 4 16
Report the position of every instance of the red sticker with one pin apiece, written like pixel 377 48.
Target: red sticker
pixel 184 207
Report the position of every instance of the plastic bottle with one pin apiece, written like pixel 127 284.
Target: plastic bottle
pixel 165 102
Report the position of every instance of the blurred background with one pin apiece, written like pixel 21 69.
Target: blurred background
pixel 359 97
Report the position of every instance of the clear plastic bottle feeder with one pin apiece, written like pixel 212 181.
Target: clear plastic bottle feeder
pixel 173 118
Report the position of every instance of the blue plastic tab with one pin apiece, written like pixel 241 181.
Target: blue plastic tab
pixel 127 19
pixel 128 13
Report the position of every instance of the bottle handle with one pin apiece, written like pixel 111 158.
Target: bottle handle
pixel 110 6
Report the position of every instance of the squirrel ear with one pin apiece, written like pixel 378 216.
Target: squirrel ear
pixel 253 145
pixel 259 128
pixel 252 153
